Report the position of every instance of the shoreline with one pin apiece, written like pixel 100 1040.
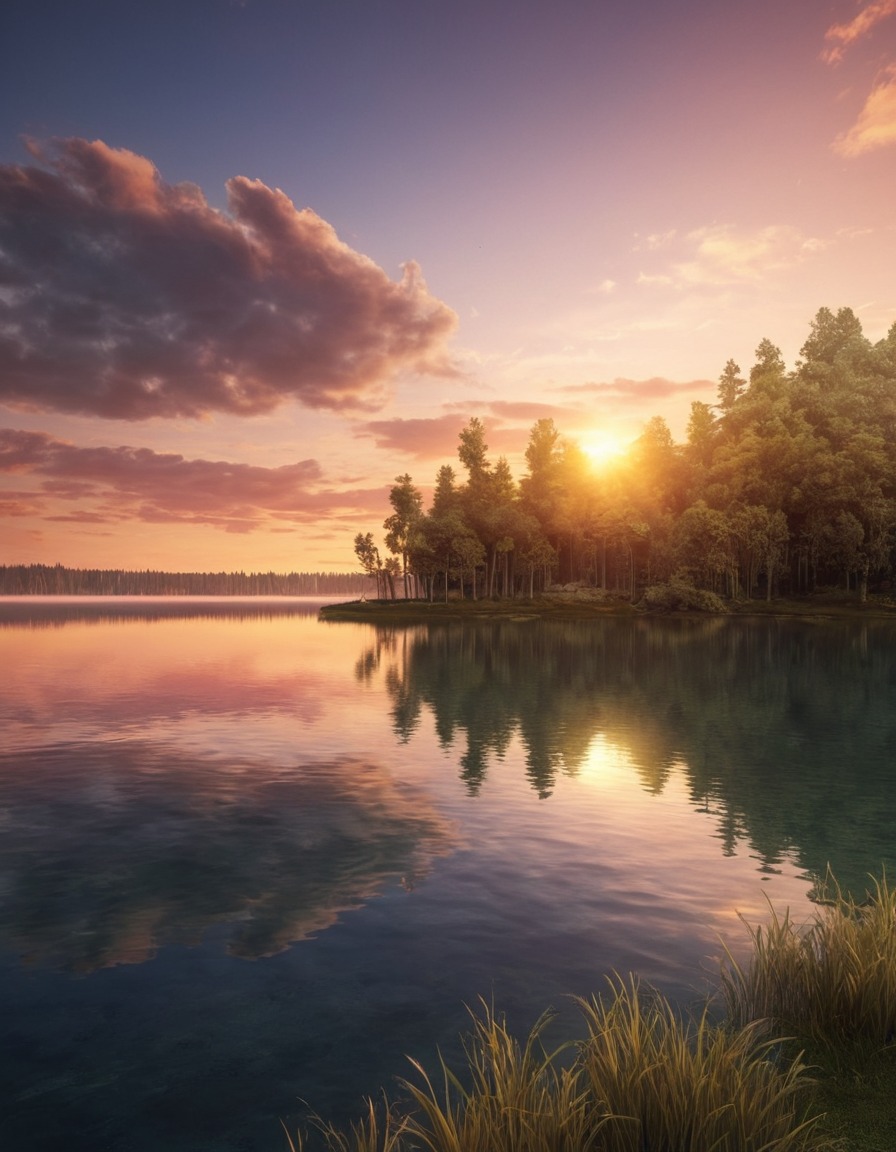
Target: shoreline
pixel 572 607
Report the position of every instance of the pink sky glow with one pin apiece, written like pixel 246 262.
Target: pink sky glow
pixel 235 304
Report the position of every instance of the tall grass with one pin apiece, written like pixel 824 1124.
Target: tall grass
pixel 379 1130
pixel 832 981
pixel 514 1096
pixel 643 1080
pixel 669 1084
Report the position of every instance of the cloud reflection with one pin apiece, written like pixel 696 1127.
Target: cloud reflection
pixel 110 852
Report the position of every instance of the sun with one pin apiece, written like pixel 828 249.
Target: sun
pixel 602 448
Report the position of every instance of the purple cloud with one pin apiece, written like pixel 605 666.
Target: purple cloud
pixel 109 485
pixel 125 297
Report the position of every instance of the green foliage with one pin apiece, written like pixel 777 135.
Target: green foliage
pixel 793 476
pixel 679 595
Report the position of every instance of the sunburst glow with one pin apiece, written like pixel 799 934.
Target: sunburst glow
pixel 603 448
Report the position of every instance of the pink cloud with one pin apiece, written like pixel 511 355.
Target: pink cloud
pixel 436 438
pixel 876 125
pixel 425 438
pixel 840 36
pixel 123 296
pixel 110 485
pixel 656 387
pixel 528 411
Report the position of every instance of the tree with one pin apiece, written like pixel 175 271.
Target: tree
pixel 473 448
pixel 369 556
pixel 769 371
pixel 407 504
pixel 829 336
pixel 704 546
pixel 731 386
pixel 701 433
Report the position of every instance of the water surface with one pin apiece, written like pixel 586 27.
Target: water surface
pixel 249 859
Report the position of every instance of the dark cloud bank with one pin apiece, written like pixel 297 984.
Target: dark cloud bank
pixel 125 297
pixel 109 485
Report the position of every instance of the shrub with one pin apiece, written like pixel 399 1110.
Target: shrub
pixel 680 595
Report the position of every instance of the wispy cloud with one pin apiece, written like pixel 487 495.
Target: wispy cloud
pixel 722 254
pixel 65 482
pixel 123 296
pixel 840 36
pixel 425 437
pixel 876 125
pixel 436 438
pixel 657 387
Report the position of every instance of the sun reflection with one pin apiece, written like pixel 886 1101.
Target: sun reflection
pixel 606 762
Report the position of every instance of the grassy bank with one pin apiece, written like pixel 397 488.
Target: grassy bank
pixel 421 611
pixel 804 1060
pixel 569 606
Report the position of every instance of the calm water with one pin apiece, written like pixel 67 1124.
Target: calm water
pixel 249 859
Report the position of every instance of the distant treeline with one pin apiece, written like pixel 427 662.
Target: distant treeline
pixel 55 580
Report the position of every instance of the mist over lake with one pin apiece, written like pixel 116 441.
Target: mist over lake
pixel 250 859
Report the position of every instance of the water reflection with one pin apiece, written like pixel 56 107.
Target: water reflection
pixel 533 805
pixel 787 729
pixel 59 611
pixel 117 850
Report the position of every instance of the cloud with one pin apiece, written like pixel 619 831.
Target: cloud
pixel 111 485
pixel 423 437
pixel 653 241
pixel 876 125
pixel 724 255
pixel 841 36
pixel 659 278
pixel 436 438
pixel 657 387
pixel 125 297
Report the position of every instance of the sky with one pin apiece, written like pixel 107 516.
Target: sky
pixel 258 258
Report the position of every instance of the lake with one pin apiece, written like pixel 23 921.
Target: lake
pixel 249 859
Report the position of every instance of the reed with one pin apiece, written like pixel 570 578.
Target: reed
pixel 667 1084
pixel 642 1080
pixel 379 1130
pixel 833 980
pixel 514 1097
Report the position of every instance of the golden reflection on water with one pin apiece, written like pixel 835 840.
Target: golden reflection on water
pixel 602 759
pixel 391 823
pixel 605 763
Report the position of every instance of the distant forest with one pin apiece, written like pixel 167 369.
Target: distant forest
pixel 46 580
pixel 786 485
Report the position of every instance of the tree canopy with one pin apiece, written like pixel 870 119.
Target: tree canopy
pixel 785 485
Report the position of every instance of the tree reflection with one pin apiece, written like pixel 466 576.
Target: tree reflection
pixel 785 730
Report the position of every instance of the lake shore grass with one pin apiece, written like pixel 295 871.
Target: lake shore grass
pixel 804 1059
pixel 574 607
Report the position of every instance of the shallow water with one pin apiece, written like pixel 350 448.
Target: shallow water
pixel 249 859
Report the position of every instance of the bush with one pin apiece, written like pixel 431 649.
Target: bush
pixel 680 595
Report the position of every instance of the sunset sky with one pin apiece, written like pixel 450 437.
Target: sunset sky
pixel 259 257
